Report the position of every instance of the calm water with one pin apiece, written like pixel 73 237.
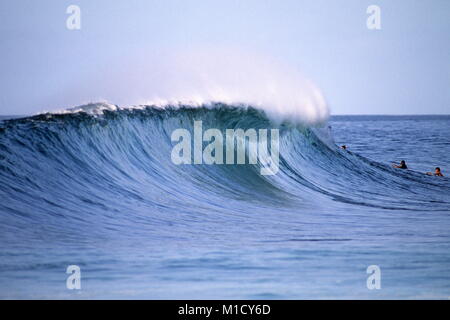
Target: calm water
pixel 102 193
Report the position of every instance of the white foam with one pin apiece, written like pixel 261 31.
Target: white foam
pixel 93 108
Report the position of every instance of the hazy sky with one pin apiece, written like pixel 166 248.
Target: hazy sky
pixel 404 68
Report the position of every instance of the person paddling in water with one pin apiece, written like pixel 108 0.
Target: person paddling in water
pixel 401 166
pixel 437 172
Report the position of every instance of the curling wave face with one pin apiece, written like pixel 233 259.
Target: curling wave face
pixel 116 168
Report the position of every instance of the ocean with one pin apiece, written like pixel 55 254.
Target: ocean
pixel 100 191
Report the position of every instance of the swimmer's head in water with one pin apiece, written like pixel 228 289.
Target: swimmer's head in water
pixel 438 170
pixel 403 165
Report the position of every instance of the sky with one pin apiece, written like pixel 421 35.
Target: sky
pixel 121 52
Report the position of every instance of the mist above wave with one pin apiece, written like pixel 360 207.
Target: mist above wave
pixel 201 77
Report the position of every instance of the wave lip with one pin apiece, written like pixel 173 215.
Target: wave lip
pixel 93 108
pixel 307 116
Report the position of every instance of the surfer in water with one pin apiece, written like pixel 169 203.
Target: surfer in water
pixel 401 166
pixel 437 172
